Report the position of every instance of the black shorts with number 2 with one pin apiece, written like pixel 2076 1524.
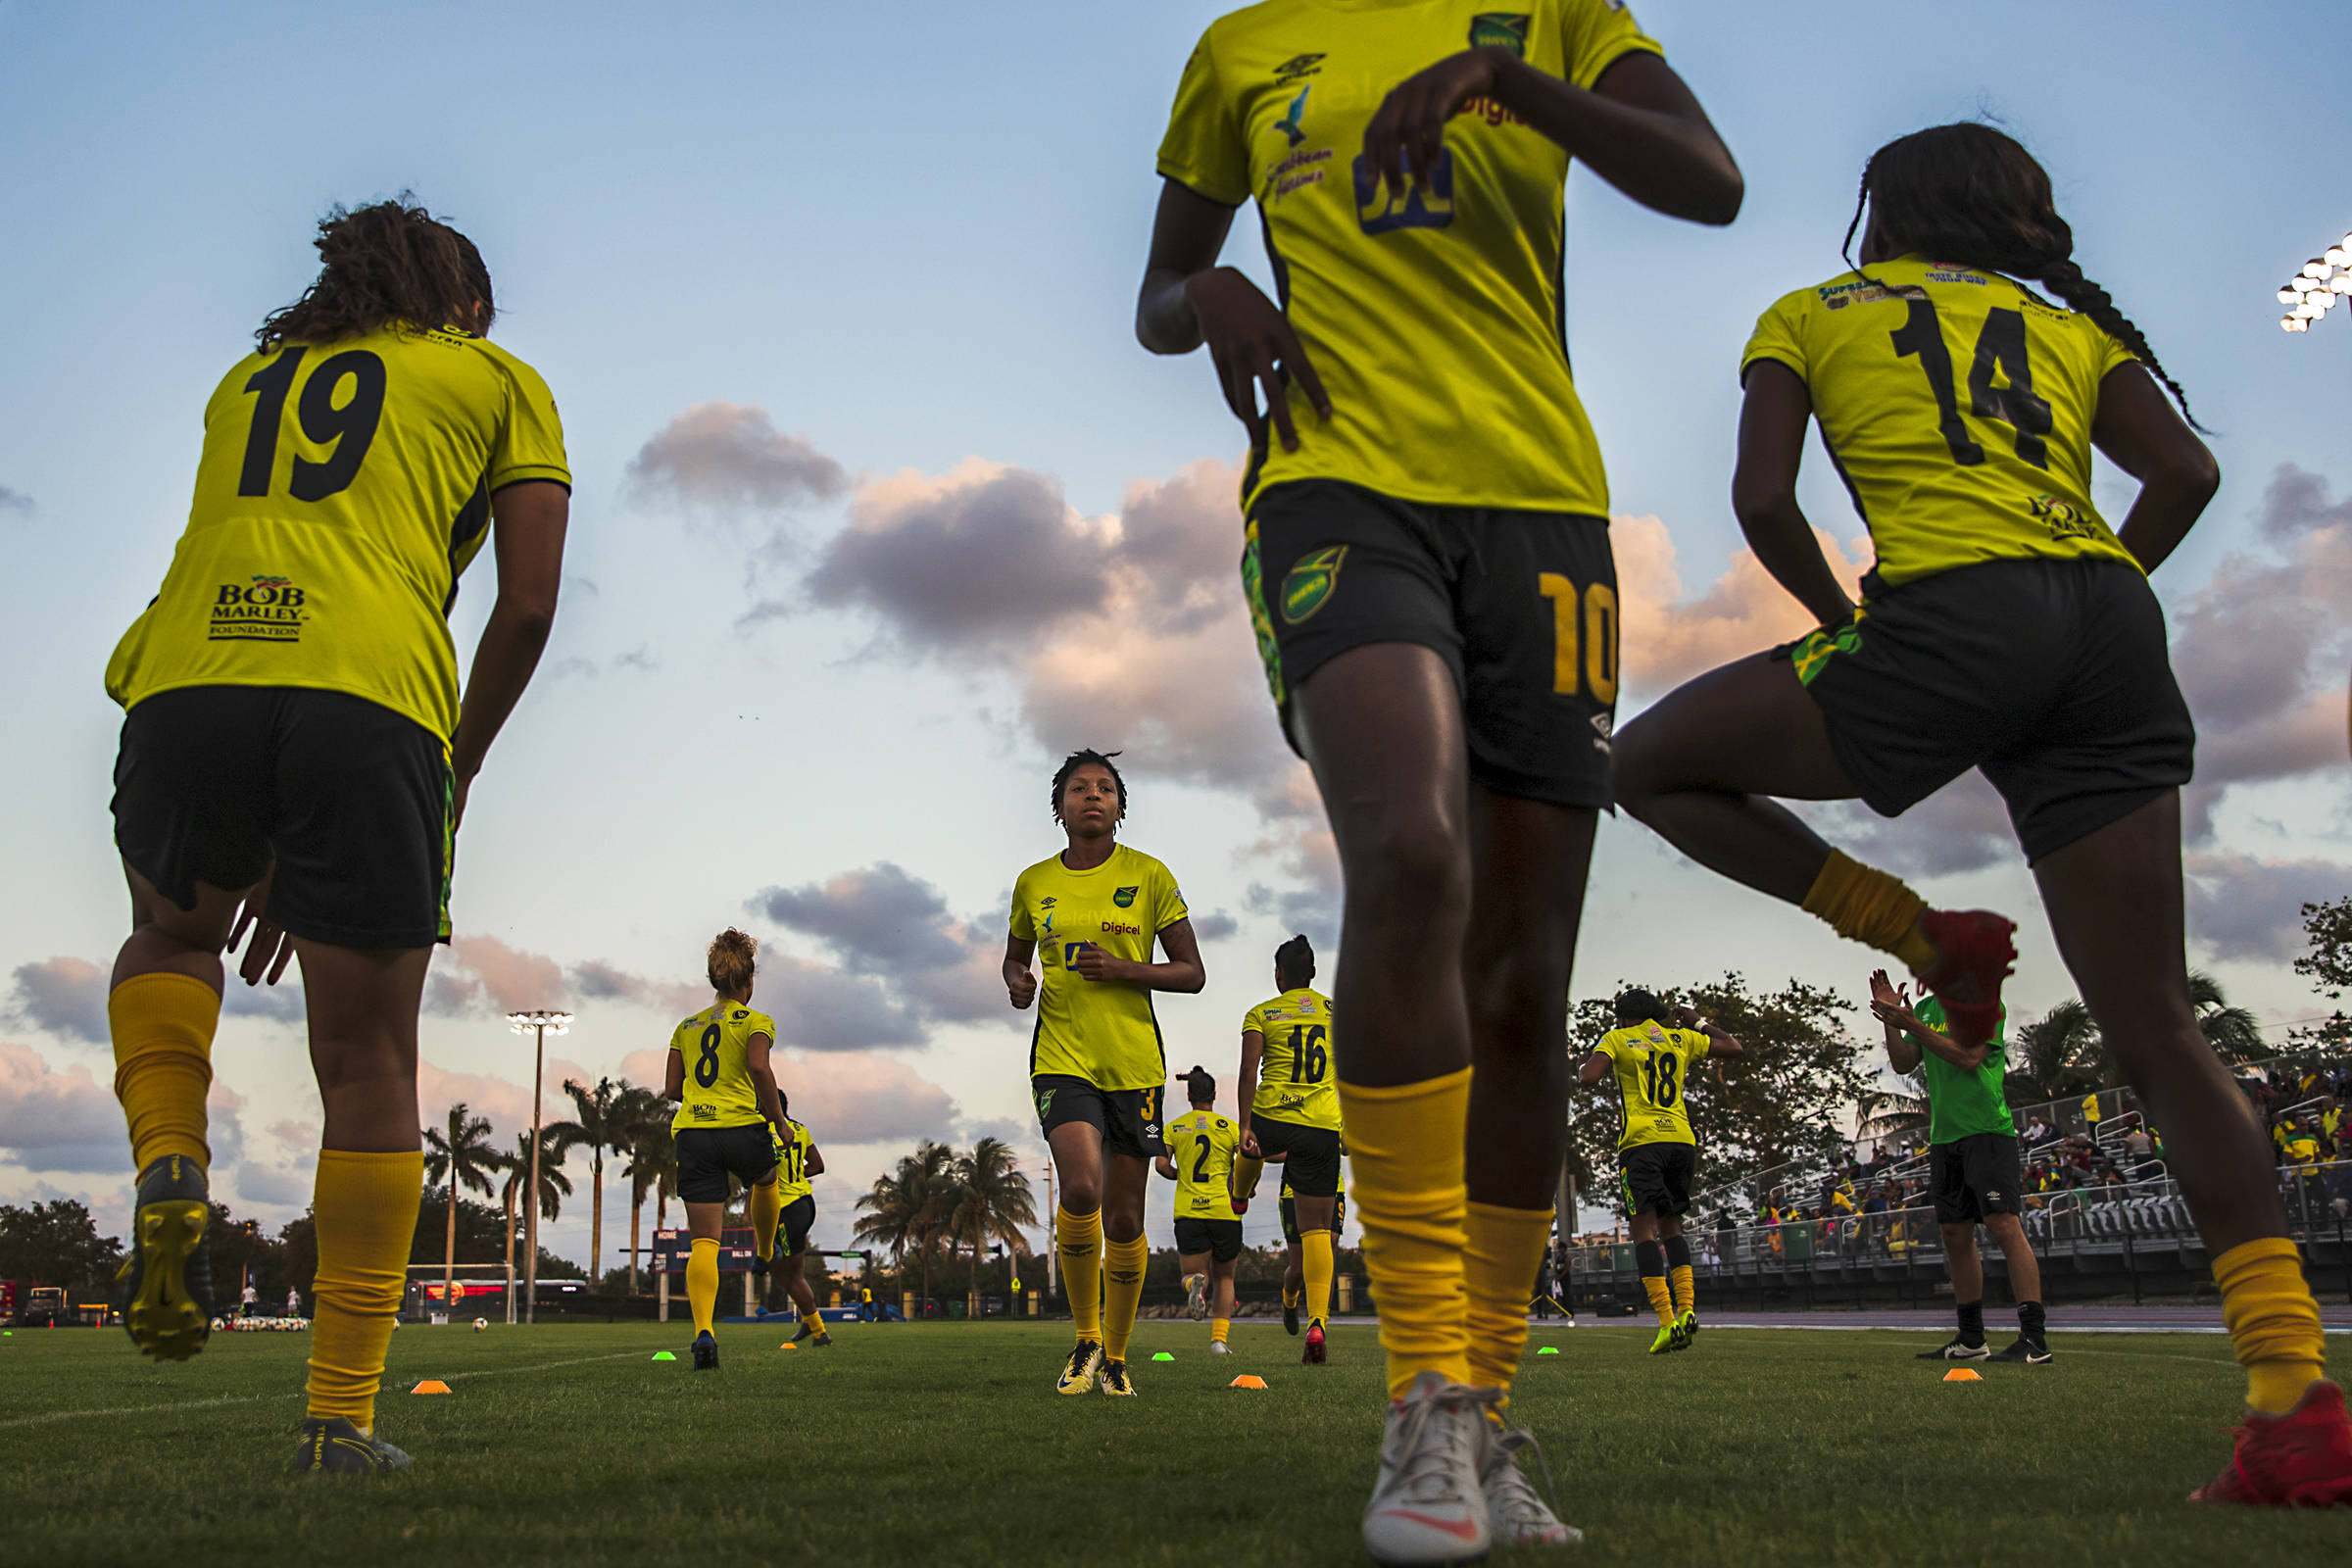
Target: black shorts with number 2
pixel 1522 606
pixel 1127 1119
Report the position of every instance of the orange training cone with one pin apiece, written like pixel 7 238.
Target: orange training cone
pixel 430 1386
pixel 1961 1374
pixel 1247 1380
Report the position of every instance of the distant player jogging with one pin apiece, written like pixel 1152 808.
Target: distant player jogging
pixel 1427 564
pixel 798 1158
pixel 1200 1152
pixel 1974 1173
pixel 1291 1110
pixel 296 756
pixel 729 1123
pixel 1649 1063
pixel 2004 627
pixel 1089 917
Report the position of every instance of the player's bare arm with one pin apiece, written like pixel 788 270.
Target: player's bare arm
pixel 1773 418
pixel 1253 1051
pixel 1188 300
pixel 1639 127
pixel 2144 434
pixel 1903 1053
pixel 1021 981
pixel 527 524
pixel 1721 1042
pixel 1916 1030
pixel 673 1078
pixel 1182 972
pixel 1593 1069
pixel 764 1079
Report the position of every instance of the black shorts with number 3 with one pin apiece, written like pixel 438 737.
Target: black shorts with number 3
pixel 1522 606
pixel 1127 1119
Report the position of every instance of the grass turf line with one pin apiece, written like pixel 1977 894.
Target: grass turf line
pixel 945 1444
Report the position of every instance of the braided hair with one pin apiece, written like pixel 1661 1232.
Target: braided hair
pixel 1967 193
pixel 389 262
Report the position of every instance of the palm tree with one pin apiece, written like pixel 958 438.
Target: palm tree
pixel 2060 1052
pixel 653 1163
pixel 597 1124
pixel 464 1155
pixel 2231 1032
pixel 989 1202
pixel 907 1210
pixel 553 1188
pixel 1890 1112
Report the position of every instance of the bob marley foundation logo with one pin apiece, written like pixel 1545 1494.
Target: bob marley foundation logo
pixel 267 610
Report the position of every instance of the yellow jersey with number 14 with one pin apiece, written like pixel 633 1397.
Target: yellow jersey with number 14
pixel 1105 1032
pixel 1294 1079
pixel 343 489
pixel 1201 1145
pixel 1650 1064
pixel 1434 320
pixel 1958 406
pixel 715 1045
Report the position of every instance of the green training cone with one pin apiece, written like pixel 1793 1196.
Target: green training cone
pixel 1549 1349
pixel 1162 1355
pixel 663 1355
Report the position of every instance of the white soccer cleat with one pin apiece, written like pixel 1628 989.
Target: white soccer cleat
pixel 1516 1515
pixel 1428 1506
pixel 1196 1296
pixel 1219 1347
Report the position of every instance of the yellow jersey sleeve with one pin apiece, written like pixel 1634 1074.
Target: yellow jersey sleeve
pixel 1204 150
pixel 1595 34
pixel 1167 899
pixel 1254 1020
pixel 529 444
pixel 1021 927
pixel 1777 337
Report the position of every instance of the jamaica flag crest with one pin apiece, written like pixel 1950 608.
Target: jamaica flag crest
pixel 1500 30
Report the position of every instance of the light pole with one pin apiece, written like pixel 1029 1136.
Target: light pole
pixel 538 1022
pixel 2320 287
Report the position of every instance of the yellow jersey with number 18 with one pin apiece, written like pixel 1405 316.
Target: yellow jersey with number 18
pixel 1201 1145
pixel 792 1162
pixel 1650 1064
pixel 343 489
pixel 1435 319
pixel 1105 1032
pixel 715 1045
pixel 1294 1079
pixel 1958 406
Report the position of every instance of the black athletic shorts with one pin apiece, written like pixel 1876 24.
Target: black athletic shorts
pixel 1522 606
pixel 347 799
pixel 2050 676
pixel 1221 1238
pixel 1290 1216
pixel 709 1156
pixel 1312 1165
pixel 1655 1178
pixel 1973 1178
pixel 1127 1119
pixel 791 1225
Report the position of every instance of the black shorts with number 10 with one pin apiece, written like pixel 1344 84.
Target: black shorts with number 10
pixel 1522 606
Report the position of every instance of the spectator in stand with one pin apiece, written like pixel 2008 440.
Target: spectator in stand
pixel 2090 1114
pixel 2336 1180
pixel 2140 1146
pixel 2298 1143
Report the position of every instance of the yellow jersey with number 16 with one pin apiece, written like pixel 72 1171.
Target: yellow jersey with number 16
pixel 343 489
pixel 1957 406
pixel 1650 1064
pixel 1294 1079
pixel 715 1045
pixel 1201 1146
pixel 1434 319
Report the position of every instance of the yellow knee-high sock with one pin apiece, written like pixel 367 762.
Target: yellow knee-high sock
pixel 812 1323
pixel 1122 1292
pixel 1219 1329
pixel 1291 1298
pixel 1079 1239
pixel 1404 1144
pixel 1246 1172
pixel 1499 1269
pixel 2274 1322
pixel 1661 1298
pixel 1677 1274
pixel 702 1282
pixel 1315 1262
pixel 764 1209
pixel 364 1210
pixel 1864 904
pixel 162 1030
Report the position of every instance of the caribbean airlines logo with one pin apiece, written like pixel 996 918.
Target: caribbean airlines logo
pixel 1293 123
pixel 269 608
pixel 1500 30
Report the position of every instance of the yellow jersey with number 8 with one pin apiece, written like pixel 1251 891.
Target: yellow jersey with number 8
pixel 1295 1078
pixel 715 1045
pixel 343 489
pixel 1201 1146
pixel 1958 407
pixel 1650 1064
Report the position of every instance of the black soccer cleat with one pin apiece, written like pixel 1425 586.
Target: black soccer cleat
pixel 1290 1317
pixel 804 1332
pixel 334 1446
pixel 822 1339
pixel 1957 1350
pixel 706 1353
pixel 2027 1352
pixel 167 1279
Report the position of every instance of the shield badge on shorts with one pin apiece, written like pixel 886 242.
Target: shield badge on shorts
pixel 1309 584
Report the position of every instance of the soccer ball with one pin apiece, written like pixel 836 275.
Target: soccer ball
pixel 480 1323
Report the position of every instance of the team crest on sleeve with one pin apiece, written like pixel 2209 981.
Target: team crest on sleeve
pixel 1310 582
pixel 1500 30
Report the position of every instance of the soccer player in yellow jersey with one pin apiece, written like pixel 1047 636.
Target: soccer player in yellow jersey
pixel 1427 568
pixel 295 757
pixel 2004 627
pixel 1089 917
pixel 1657 1153
pixel 728 1121
pixel 798 1158
pixel 1293 1253
pixel 1200 1147
pixel 1291 1110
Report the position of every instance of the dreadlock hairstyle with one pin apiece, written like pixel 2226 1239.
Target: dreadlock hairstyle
pixel 389 262
pixel 1294 959
pixel 1080 759
pixel 1200 1086
pixel 732 959
pixel 1638 1005
pixel 1967 193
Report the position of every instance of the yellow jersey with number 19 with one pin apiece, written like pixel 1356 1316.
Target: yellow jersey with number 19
pixel 1650 1064
pixel 792 1162
pixel 342 490
pixel 1105 1032
pixel 1958 406
pixel 1434 320
pixel 715 1045
pixel 1201 1146
pixel 1294 1079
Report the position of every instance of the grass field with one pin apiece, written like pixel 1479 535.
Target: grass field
pixel 921 1443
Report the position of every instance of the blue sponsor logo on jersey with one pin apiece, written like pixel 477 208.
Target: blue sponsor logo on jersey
pixel 1429 207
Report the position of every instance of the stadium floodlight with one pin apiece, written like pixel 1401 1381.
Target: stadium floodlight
pixel 2316 287
pixel 539 1023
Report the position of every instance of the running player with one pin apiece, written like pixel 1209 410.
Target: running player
pixel 1089 917
pixel 1198 1159
pixel 2005 627
pixel 295 757
pixel 1290 1112
pixel 798 1158
pixel 1294 1256
pixel 1428 567
pixel 1657 1153
pixel 729 1122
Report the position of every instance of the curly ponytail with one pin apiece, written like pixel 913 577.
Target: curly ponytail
pixel 733 958
pixel 384 263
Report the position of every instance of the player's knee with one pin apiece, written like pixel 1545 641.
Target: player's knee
pixel 1409 861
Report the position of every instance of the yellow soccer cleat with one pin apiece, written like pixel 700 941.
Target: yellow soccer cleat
pixel 1669 1339
pixel 1115 1381
pixel 167 1279
pixel 1687 1330
pixel 1083 1367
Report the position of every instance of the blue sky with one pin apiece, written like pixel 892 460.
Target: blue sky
pixel 814 285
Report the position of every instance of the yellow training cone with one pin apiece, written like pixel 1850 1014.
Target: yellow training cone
pixel 1961 1374
pixel 1247 1380
pixel 430 1386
